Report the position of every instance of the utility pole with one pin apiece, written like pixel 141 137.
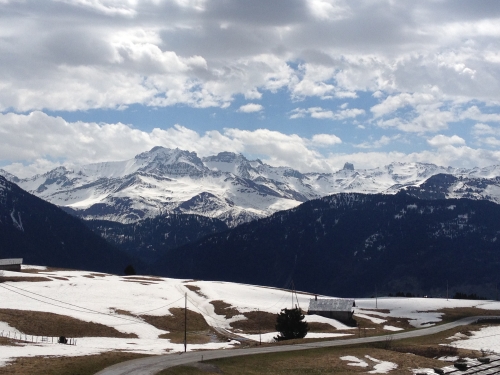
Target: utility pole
pixel 258 322
pixel 185 321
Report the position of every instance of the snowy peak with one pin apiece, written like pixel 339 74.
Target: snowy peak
pixel 8 176
pixel 230 162
pixel 229 187
pixel 160 160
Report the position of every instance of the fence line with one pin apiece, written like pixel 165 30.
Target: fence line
pixel 37 339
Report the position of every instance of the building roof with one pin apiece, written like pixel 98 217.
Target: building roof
pixel 337 304
pixel 8 262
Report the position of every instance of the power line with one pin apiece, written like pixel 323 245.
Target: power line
pixel 66 303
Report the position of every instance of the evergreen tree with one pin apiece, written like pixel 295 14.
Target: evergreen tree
pixel 129 270
pixel 290 325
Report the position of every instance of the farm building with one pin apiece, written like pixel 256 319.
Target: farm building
pixel 13 264
pixel 339 309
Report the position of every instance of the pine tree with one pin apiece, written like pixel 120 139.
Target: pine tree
pixel 290 325
pixel 129 270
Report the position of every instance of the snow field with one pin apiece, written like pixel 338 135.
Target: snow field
pixel 97 297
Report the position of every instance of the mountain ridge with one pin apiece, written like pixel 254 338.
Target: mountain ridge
pixel 229 187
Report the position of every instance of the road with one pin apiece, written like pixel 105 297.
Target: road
pixel 153 365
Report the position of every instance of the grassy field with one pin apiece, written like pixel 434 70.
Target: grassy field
pixel 39 323
pixel 86 365
pixel 407 354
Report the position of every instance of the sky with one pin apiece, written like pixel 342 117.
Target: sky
pixel 310 84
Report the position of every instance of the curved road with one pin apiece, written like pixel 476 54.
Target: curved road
pixel 153 365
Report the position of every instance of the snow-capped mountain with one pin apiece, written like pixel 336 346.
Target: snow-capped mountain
pixel 228 186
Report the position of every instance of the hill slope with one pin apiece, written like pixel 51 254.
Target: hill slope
pixel 150 238
pixel 351 244
pixel 42 233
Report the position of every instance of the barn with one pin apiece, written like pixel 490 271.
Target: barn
pixel 335 308
pixel 13 264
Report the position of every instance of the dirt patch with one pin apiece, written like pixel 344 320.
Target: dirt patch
pixel 223 308
pixel 15 279
pixel 48 324
pixel 85 365
pixel 5 341
pixel 196 289
pixel 256 321
pixel 321 361
pixel 122 312
pixel 99 274
pixel 48 269
pixel 198 331
pixel 321 327
pixel 450 315
pixel 139 282
pixel 142 278
pixel 59 278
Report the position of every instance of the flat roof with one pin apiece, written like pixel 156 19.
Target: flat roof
pixel 333 304
pixel 8 262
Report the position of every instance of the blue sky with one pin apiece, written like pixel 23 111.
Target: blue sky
pixel 305 83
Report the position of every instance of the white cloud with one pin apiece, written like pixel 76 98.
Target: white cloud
pixel 442 140
pixel 383 141
pixel 325 139
pixel 53 142
pixel 251 107
pixel 474 113
pixel 163 53
pixel 320 113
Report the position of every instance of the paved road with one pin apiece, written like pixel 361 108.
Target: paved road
pixel 153 365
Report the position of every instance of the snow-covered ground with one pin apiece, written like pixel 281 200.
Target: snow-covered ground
pixel 487 339
pixel 96 297
pixel 421 312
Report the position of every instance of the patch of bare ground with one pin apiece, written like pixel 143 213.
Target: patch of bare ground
pixel 321 327
pixel 255 322
pixel 85 365
pixel 14 279
pixel 224 308
pixel 142 278
pixel 452 314
pixel 196 289
pixel 59 278
pixel 121 312
pixel 99 274
pixel 48 269
pixel 39 323
pixel 198 331
pixel 365 327
pixel 5 341
pixel 318 361
pixel 139 282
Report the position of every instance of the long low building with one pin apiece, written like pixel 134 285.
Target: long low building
pixel 12 264
pixel 334 308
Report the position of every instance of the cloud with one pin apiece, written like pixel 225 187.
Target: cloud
pixel 442 140
pixel 383 141
pixel 203 53
pixel 325 139
pixel 250 108
pixel 320 113
pixel 51 141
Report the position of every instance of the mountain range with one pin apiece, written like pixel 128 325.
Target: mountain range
pixel 233 189
pixel 350 244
